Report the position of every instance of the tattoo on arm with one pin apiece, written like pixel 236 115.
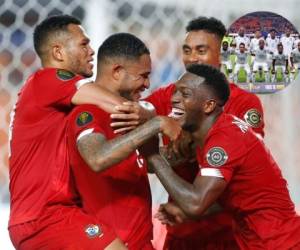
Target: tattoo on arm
pixel 100 153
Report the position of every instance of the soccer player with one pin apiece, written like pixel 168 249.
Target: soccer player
pixel 242 62
pixel 255 41
pixel 202 44
pixel 296 41
pixel 242 38
pixel 271 44
pixel 236 168
pixel 295 58
pixel 287 42
pixel 280 61
pixel 109 172
pixel 225 57
pixel 44 209
pixel 261 60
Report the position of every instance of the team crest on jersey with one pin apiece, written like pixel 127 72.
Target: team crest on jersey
pixel 93 231
pixel 84 118
pixel 253 118
pixel 64 75
pixel 216 156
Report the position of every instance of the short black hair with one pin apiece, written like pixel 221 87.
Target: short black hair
pixel 48 27
pixel 242 44
pixel 214 79
pixel 208 24
pixel 121 45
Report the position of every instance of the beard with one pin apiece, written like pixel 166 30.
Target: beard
pixel 190 127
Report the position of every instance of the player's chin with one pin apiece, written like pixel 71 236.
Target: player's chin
pixel 88 72
pixel 136 96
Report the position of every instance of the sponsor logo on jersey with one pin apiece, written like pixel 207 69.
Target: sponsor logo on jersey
pixel 216 156
pixel 64 75
pixel 84 118
pixel 93 231
pixel 253 118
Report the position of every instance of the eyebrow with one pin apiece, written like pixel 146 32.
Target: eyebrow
pixel 200 46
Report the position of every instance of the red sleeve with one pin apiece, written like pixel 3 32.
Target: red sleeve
pixel 252 113
pixel 161 99
pixel 55 87
pixel 222 154
pixel 86 119
pixel 246 106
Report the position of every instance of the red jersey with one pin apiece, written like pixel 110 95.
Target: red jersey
pixel 120 196
pixel 39 165
pixel 256 194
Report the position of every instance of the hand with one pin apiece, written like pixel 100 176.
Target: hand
pixel 131 114
pixel 183 147
pixel 150 147
pixel 170 214
pixel 273 71
pixel 286 71
pixel 170 127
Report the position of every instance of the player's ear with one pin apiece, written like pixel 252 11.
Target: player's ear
pixel 209 106
pixel 117 70
pixel 58 53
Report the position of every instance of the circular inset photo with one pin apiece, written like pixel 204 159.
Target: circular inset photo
pixel 261 52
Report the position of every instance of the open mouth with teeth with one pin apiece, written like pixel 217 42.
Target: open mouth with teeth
pixel 176 113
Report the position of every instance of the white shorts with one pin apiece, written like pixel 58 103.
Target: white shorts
pixel 282 67
pixel 264 66
pixel 228 64
pixel 245 66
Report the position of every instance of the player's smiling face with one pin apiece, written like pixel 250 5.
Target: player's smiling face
pixel 135 77
pixel 188 101
pixel 79 53
pixel 201 47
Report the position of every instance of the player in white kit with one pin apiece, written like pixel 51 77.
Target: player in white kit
pixel 254 41
pixel 271 44
pixel 295 60
pixel 241 62
pixel 226 51
pixel 242 38
pixel 280 61
pixel 261 61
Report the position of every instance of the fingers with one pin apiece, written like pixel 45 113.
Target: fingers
pixel 122 130
pixel 131 116
pixel 124 124
pixel 127 107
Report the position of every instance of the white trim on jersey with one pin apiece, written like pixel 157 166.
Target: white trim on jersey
pixel 84 133
pixel 211 172
pixel 82 82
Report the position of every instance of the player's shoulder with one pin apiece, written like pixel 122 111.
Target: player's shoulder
pixel 228 128
pixel 55 74
pixel 89 111
pixel 246 101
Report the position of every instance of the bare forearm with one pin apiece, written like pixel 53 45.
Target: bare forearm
pixel 91 93
pixel 182 192
pixel 102 154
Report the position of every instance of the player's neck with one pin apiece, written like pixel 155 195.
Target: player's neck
pixel 107 84
pixel 199 136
